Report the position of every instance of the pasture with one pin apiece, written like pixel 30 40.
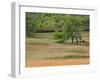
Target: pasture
pixel 43 50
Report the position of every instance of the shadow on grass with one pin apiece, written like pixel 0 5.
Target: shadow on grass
pixel 68 57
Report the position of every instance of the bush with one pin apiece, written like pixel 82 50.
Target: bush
pixel 60 41
pixel 58 35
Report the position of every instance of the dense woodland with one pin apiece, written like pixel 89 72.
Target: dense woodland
pixel 64 26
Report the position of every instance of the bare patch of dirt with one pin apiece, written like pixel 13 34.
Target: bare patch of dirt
pixel 38 63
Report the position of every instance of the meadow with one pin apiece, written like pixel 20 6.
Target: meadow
pixel 43 50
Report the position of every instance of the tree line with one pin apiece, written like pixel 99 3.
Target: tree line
pixel 65 26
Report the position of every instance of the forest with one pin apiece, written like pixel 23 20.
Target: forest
pixel 65 26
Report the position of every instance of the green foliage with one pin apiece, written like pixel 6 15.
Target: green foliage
pixel 30 25
pixel 73 27
pixel 58 35
pixel 60 41
pixel 70 26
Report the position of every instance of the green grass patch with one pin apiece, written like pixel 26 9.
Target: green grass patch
pixel 48 35
pixel 76 51
pixel 69 57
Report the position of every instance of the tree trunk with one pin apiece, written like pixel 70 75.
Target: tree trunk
pixel 72 40
pixel 77 41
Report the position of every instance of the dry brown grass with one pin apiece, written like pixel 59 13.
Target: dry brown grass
pixel 43 51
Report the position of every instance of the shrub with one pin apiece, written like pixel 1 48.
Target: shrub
pixel 58 35
pixel 60 41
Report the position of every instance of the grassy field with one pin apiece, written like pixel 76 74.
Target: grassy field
pixel 44 47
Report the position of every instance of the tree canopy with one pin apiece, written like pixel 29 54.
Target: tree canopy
pixel 70 25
